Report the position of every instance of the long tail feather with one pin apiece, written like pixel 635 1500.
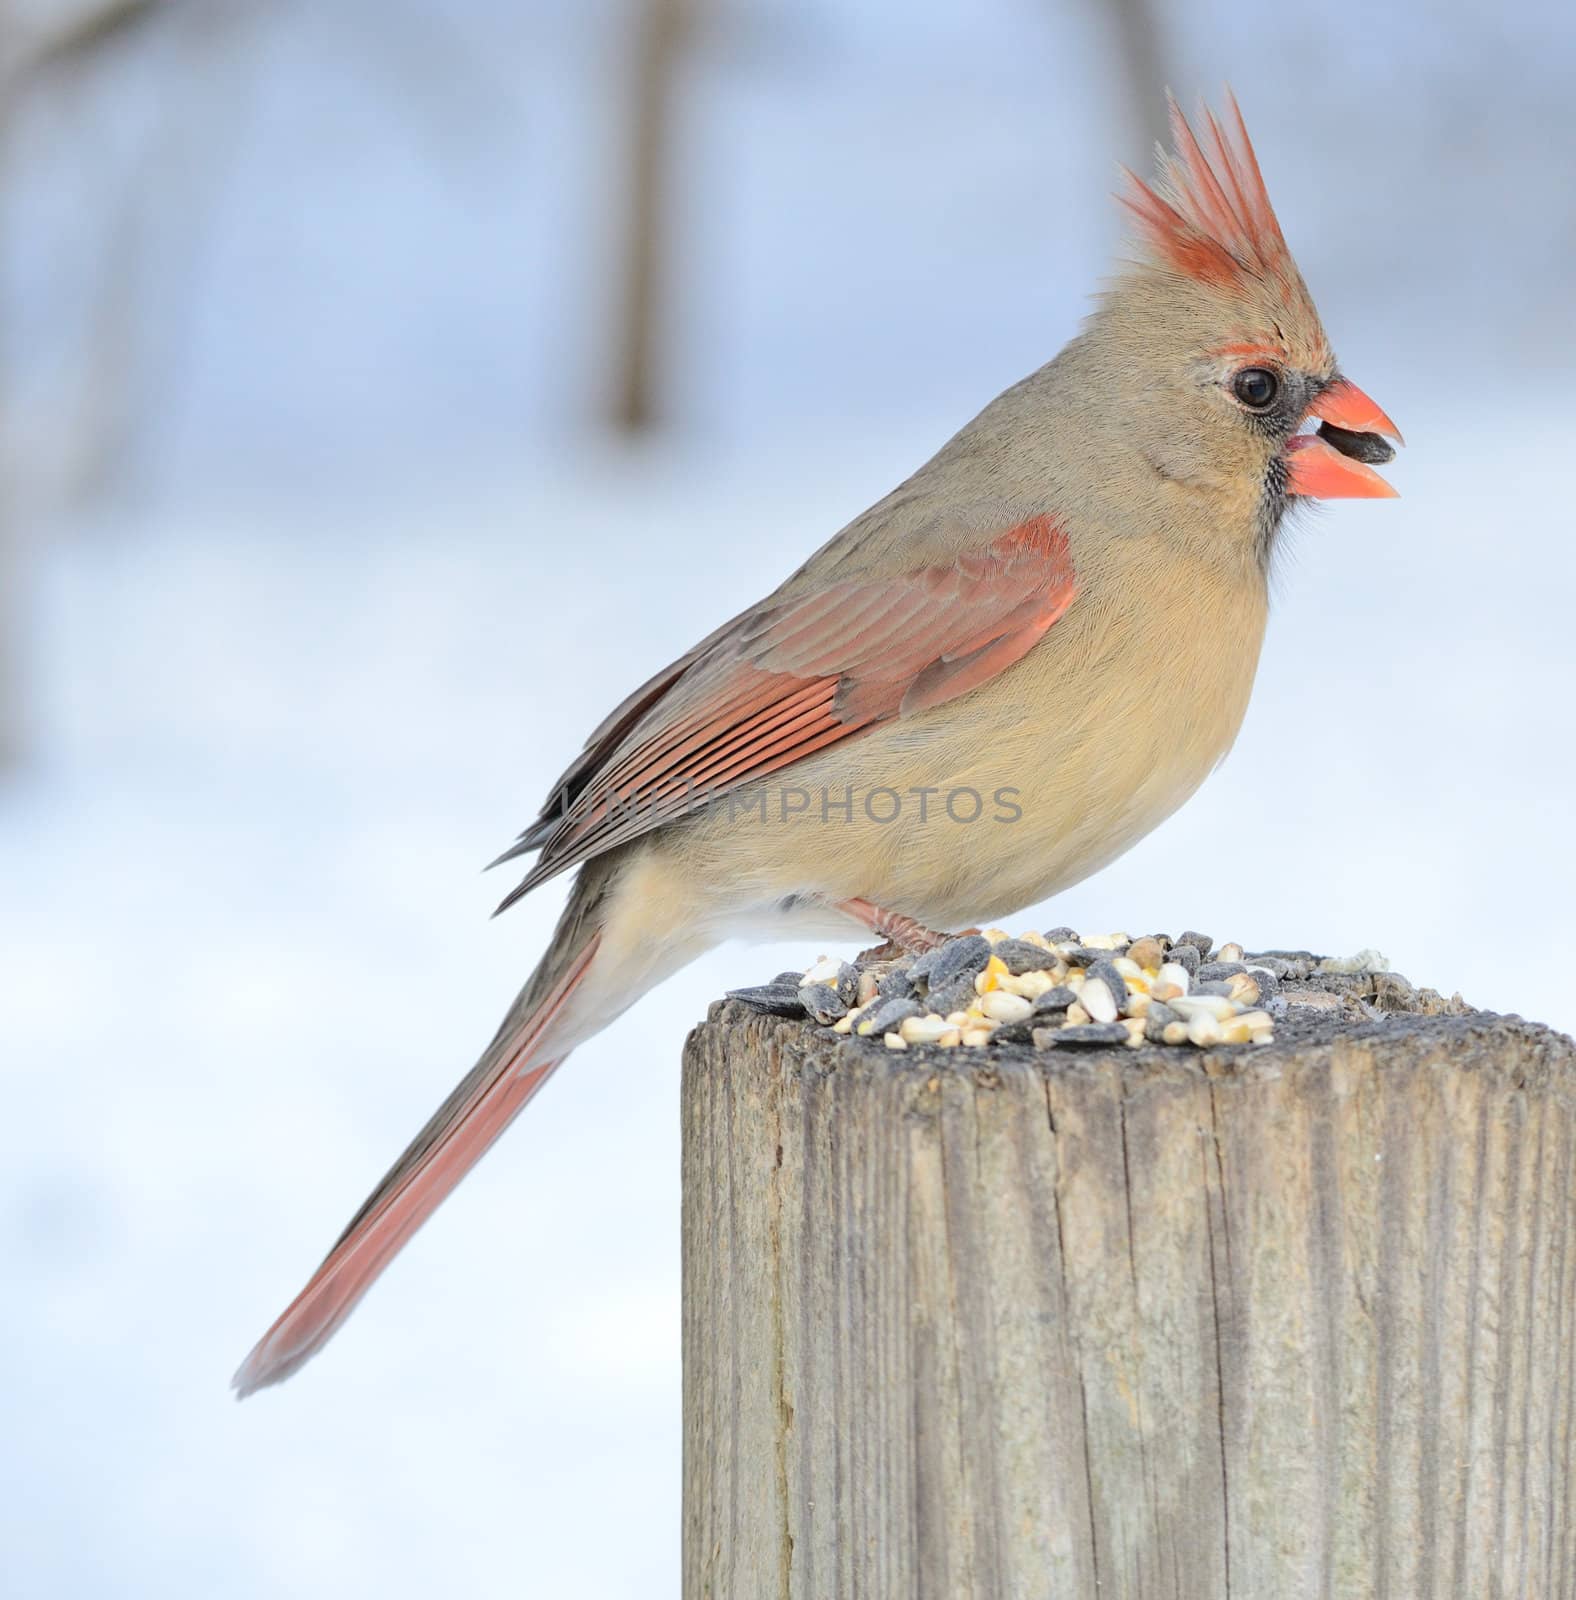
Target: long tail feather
pixel 483 1104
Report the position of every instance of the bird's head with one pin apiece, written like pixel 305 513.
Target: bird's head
pixel 1238 389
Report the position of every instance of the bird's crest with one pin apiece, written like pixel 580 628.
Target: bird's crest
pixel 1208 217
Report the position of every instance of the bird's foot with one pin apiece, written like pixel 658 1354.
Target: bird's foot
pixel 903 935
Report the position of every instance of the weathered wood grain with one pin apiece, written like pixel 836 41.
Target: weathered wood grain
pixel 1278 1323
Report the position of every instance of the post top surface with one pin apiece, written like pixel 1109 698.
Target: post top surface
pixel 1305 1037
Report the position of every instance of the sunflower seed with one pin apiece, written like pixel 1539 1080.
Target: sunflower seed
pixel 1281 968
pixel 1268 982
pixel 1020 956
pixel 957 996
pixel 822 1001
pixel 957 958
pixel 1054 1000
pixel 775 999
pixel 1107 973
pixel 1086 955
pixel 1296 963
pixel 890 1014
pixel 1213 970
pixel 1085 1033
pixel 898 984
pixel 1371 449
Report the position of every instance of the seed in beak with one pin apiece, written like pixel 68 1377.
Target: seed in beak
pixel 1369 448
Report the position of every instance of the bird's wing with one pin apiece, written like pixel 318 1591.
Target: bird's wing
pixel 795 675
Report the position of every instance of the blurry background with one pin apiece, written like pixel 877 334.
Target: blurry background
pixel 387 387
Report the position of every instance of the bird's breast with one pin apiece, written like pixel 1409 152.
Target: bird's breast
pixel 1028 783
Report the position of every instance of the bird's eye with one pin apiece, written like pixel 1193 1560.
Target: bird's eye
pixel 1256 388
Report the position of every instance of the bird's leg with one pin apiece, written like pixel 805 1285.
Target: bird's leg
pixel 903 934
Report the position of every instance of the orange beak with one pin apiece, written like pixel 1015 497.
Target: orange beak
pixel 1345 405
pixel 1318 469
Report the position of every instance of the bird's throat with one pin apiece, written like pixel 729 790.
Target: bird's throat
pixel 1274 499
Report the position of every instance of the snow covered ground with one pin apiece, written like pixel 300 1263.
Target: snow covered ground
pixel 245 950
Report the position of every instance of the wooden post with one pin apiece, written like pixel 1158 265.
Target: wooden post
pixel 1278 1322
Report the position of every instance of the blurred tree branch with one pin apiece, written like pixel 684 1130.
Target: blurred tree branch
pixel 77 41
pixel 151 209
pixel 1138 39
pixel 663 29
pixel 151 214
pixel 33 57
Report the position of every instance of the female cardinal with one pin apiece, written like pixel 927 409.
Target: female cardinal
pixel 1061 611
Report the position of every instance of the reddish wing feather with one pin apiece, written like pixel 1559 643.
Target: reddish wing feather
pixel 812 671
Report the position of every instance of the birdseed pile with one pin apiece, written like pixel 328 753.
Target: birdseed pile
pixel 1053 990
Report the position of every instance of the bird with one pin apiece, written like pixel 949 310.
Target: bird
pixel 1058 616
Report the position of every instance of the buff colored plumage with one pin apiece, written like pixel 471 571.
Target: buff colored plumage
pixel 1060 613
